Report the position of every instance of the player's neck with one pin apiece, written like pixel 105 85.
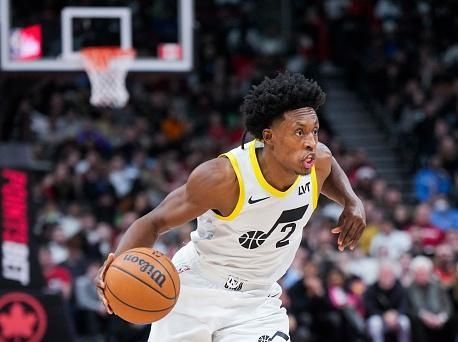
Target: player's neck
pixel 274 173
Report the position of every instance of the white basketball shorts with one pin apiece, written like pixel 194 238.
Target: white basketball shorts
pixel 212 308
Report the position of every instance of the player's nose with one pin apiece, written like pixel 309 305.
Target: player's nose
pixel 310 142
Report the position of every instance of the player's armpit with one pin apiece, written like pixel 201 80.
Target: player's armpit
pixel 212 185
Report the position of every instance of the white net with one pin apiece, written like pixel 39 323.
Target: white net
pixel 107 69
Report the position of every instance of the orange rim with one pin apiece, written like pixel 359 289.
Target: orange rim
pixel 99 57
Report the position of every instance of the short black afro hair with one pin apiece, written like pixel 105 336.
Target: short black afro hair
pixel 273 97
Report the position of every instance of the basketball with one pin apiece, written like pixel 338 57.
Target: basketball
pixel 142 285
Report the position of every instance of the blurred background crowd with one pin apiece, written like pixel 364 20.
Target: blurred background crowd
pixel 108 167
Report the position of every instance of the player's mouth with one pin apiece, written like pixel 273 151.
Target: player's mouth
pixel 309 161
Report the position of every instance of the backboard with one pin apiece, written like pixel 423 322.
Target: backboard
pixel 47 35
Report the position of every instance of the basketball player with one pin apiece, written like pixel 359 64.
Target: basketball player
pixel 251 205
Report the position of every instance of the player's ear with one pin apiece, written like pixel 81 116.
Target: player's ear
pixel 267 135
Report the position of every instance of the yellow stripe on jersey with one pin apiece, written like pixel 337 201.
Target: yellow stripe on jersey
pixel 315 190
pixel 260 177
pixel 239 205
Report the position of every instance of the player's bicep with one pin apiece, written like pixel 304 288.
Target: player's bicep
pixel 175 210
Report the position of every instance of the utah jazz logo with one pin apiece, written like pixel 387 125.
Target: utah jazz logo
pixel 255 238
pixel 266 338
pixel 233 283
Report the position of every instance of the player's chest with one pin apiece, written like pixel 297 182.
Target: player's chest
pixel 274 223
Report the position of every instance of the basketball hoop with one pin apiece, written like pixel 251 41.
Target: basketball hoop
pixel 107 68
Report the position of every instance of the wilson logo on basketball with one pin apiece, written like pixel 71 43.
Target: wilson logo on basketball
pixel 147 268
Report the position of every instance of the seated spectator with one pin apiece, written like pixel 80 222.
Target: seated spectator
pixel 431 181
pixel 58 278
pixel 444 265
pixel 425 235
pixel 356 287
pixel 90 309
pixel 374 220
pixel 443 215
pixel 454 296
pixel 295 272
pixel 309 306
pixel 390 242
pixel 349 322
pixel 448 154
pixel 385 304
pixel 361 265
pixel 451 239
pixel 402 216
pixel 429 305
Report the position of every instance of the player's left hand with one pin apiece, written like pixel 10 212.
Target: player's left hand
pixel 351 225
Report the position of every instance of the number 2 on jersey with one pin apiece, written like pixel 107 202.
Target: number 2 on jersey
pixel 255 238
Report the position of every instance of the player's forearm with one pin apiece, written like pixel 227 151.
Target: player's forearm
pixel 142 233
pixel 337 187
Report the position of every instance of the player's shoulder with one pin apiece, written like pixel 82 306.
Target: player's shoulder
pixel 323 159
pixel 323 153
pixel 215 173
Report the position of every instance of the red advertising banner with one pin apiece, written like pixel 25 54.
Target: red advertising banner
pixel 26 43
pixel 19 265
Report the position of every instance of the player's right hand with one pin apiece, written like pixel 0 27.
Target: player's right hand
pixel 100 281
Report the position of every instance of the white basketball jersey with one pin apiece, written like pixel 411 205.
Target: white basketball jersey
pixel 257 242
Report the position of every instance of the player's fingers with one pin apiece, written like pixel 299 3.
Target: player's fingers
pixel 349 237
pixel 101 295
pixel 336 230
pixel 106 264
pixel 341 227
pixel 354 239
pixel 357 236
pixel 343 234
pixel 100 292
pixel 100 283
pixel 99 279
pixel 354 244
pixel 107 307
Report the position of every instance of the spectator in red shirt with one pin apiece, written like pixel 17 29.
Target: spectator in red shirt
pixel 58 278
pixel 425 236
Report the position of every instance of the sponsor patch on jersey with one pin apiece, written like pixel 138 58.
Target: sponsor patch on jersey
pixel 233 283
pixel 183 268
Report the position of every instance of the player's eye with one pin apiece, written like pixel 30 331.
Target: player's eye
pixel 315 131
pixel 299 132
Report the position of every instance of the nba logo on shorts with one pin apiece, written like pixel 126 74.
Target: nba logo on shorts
pixel 233 283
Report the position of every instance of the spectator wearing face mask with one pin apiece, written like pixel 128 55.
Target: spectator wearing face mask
pixel 443 215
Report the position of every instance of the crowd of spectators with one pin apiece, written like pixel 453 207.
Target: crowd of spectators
pixel 110 167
